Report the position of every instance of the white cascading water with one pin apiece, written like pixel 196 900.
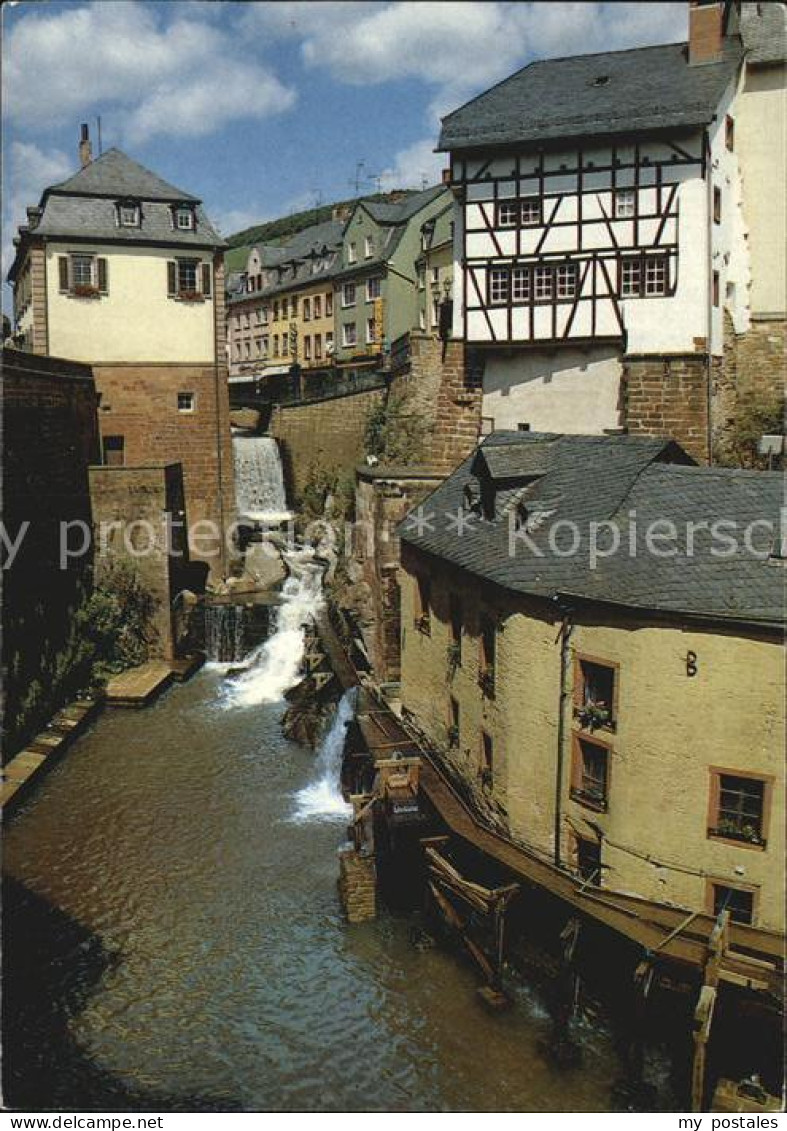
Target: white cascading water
pixel 274 667
pixel 322 799
pixel 259 479
pixel 224 633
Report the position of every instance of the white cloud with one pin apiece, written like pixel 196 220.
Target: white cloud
pixel 186 76
pixel 27 170
pixel 417 166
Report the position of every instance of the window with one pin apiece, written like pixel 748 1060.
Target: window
pixel 184 219
pixel 258 346
pixel 275 345
pixel 266 313
pixel 520 284
pixel 421 278
pixel 625 203
pixel 421 320
pixel 716 204
pixel 487 759
pixel 486 677
pixel 285 308
pixel 456 620
pixel 186 400
pixel 317 304
pixel 114 451
pixel 307 310
pixel 348 294
pixel 246 321
pixel 543 283
pixel 275 312
pixel 318 346
pixel 307 348
pixel 590 774
pixel 655 275
pixel 738 808
pixel 373 288
pixel 738 901
pixel 128 215
pixel 423 621
pixel 729 132
pixel 368 246
pixel 435 274
pixel 588 857
pixel 630 278
pixel 349 334
pixel 435 313
pixel 247 350
pixel 498 285
pixel 531 211
pixel 352 254
pixel 329 304
pixel 715 288
pixel 370 331
pixel 453 721
pixel 329 341
pixel 567 280
pixel 595 694
pixel 285 344
pixel 82 270
pixel 507 214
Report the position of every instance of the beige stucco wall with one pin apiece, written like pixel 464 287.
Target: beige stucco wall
pixel 136 320
pixel 761 142
pixel 671 729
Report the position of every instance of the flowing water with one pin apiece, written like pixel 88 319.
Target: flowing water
pixel 174 941
pixel 225 635
pixel 259 479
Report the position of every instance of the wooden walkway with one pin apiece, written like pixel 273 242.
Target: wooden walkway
pixel 42 752
pixel 673 933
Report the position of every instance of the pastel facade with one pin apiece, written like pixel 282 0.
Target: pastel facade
pixel 119 269
pixel 626 719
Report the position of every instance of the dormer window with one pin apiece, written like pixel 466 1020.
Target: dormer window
pixel 184 218
pixel 129 214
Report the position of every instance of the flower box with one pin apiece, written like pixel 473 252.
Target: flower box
pixel 191 296
pixel 84 290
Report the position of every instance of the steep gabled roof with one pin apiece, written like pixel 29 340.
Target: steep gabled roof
pixel 764 32
pixel 116 175
pixel 612 92
pixel 630 482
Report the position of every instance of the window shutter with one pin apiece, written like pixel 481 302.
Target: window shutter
pixel 62 264
pixel 206 277
pixel 172 278
pixel 102 276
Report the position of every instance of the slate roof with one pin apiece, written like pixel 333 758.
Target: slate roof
pixel 94 218
pixel 612 92
pixel 632 482
pixel 296 259
pixel 764 32
pixel 401 211
pixel 115 174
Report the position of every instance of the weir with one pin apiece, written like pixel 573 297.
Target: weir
pixel 259 479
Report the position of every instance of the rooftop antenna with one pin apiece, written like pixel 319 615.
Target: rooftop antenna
pixel 98 124
pixel 359 166
pixel 377 180
pixel 424 181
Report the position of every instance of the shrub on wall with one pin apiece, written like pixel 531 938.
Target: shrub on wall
pixel 395 432
pixel 756 417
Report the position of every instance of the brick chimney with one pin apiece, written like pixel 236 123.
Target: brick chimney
pixel 85 148
pixel 706 32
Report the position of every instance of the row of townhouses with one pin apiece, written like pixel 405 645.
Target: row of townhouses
pixel 339 293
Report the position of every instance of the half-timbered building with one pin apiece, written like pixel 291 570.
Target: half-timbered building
pixel 600 237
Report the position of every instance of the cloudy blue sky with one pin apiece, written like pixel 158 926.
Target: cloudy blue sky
pixel 259 108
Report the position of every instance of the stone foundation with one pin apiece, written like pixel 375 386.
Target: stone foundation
pixel 753 373
pixel 357 885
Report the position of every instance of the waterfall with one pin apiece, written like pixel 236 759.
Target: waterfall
pixel 274 667
pixel 322 798
pixel 259 479
pixel 224 633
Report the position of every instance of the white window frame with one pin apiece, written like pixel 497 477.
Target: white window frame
pixel 499 286
pixel 520 284
pixel 352 253
pixel 531 211
pixel 655 281
pixel 566 280
pixel 508 213
pixel 624 203
pixel 349 339
pixel 124 210
pixel 543 275
pixel 187 401
pixel 184 219
pixel 316 306
pixel 630 277
pixel 78 257
pixel 371 337
pixel 347 302
pixel 191 265
pixel 368 247
pixel 375 279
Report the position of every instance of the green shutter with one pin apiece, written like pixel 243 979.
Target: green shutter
pixel 62 264
pixel 206 277
pixel 103 278
pixel 172 278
